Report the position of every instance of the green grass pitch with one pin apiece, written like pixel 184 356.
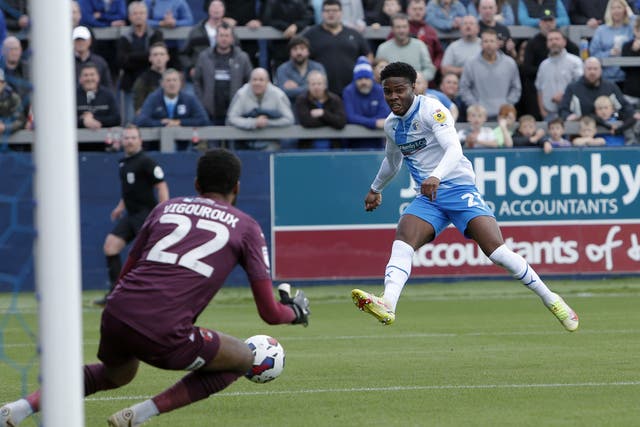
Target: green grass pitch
pixel 459 354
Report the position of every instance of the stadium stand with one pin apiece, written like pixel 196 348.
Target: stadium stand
pixel 168 136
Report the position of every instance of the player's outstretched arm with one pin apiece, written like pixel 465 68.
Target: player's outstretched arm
pixel 299 303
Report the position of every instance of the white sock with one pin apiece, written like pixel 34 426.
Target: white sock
pixel 397 271
pixel 143 411
pixel 521 270
pixel 20 409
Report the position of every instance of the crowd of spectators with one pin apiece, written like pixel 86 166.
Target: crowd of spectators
pixel 325 72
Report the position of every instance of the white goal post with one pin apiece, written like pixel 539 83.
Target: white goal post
pixel 57 217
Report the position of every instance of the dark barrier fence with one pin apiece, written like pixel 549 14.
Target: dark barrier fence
pixel 601 185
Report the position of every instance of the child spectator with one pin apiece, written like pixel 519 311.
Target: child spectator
pixel 527 134
pixel 607 117
pixel 477 135
pixel 587 133
pixel 378 65
pixel 506 125
pixel 556 136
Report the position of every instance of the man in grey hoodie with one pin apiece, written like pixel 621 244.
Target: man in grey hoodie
pixel 219 72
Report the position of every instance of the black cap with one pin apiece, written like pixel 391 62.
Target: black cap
pixel 547 15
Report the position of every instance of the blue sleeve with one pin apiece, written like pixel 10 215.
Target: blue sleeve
pixel 507 14
pixel 459 10
pixel 598 46
pixel 117 11
pixel 183 15
pixel 144 118
pixel 353 117
pixel 3 26
pixel 562 17
pixel 471 9
pixel 87 9
pixel 282 75
pixel 436 18
pixel 198 116
pixel 524 18
pixel 152 20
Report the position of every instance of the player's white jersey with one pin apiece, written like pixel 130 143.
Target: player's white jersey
pixel 422 137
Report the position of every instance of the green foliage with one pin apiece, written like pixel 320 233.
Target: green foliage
pixel 459 354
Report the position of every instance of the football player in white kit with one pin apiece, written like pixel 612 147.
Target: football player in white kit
pixel 421 131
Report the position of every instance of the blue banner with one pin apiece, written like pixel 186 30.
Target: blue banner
pixel 519 184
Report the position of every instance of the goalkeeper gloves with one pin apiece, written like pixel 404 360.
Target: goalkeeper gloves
pixel 299 303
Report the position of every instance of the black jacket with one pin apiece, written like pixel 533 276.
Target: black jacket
pixel 132 61
pixel 632 74
pixel 334 114
pixel 583 10
pixel 102 104
pixel 580 96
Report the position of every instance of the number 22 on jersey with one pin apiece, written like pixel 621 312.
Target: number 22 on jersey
pixel 191 259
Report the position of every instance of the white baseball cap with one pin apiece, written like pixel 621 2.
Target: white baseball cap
pixel 81 33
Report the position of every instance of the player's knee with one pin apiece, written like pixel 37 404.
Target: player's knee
pixel 123 379
pixel 113 245
pixel 122 375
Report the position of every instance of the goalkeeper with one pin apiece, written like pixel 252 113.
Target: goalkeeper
pixel 181 258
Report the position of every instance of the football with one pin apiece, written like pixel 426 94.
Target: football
pixel 268 358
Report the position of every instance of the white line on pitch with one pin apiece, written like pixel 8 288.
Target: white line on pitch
pixel 405 336
pixel 397 388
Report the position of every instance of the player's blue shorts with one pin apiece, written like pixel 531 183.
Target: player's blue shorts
pixel 457 205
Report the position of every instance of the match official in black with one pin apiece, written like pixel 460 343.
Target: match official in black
pixel 141 178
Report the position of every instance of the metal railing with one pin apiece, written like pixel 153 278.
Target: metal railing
pixel 518 32
pixel 167 136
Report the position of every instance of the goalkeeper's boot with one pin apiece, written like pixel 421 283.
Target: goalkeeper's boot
pixel 5 417
pixel 14 413
pixel 374 305
pixel 564 314
pixel 123 418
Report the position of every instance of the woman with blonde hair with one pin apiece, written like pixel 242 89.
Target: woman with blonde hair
pixel 609 37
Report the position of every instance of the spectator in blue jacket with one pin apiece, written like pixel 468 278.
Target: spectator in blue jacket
pixel 3 27
pixel 170 106
pixel 16 14
pixel 531 11
pixel 95 13
pixel 169 13
pixel 364 104
pixel 609 37
pixel 445 15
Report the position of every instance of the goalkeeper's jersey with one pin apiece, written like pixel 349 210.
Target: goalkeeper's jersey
pixel 421 136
